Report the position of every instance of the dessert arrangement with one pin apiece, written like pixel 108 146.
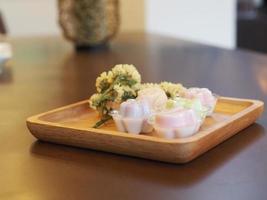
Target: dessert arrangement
pixel 169 110
pixel 163 111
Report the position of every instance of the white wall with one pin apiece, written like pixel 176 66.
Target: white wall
pixel 132 15
pixel 40 17
pixel 205 21
pixel 30 17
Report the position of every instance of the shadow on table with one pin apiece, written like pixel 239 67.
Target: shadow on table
pixel 153 171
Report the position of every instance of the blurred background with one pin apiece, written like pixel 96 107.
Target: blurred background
pixel 227 23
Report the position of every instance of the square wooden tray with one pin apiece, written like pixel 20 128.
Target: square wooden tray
pixel 71 125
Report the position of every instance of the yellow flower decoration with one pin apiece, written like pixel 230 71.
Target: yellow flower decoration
pixel 172 90
pixel 117 85
pixel 127 70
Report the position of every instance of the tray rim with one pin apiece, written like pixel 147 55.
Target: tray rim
pixel 255 104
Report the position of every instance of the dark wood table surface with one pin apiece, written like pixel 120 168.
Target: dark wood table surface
pixel 46 73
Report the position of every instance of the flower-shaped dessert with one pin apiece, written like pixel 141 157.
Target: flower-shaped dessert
pixel 204 95
pixel 177 123
pixel 132 117
pixel 181 118
pixel 154 96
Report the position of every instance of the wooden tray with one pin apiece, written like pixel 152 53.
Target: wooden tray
pixel 71 125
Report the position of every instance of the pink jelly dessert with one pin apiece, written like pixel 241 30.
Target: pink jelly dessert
pixel 204 95
pixel 177 123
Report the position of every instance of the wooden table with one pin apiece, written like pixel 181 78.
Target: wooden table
pixel 47 73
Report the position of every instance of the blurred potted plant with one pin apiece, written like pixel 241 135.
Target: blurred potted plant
pixel 89 23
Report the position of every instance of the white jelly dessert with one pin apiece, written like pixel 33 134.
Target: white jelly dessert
pixel 132 117
pixel 155 97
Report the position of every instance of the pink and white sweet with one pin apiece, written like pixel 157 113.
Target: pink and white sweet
pixel 204 95
pixel 155 97
pixel 132 117
pixel 176 123
pixel 133 114
pixel 151 110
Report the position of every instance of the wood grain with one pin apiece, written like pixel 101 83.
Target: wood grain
pixel 46 73
pixel 71 125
